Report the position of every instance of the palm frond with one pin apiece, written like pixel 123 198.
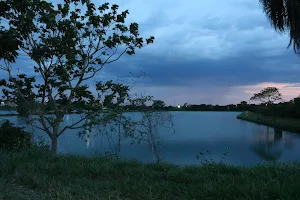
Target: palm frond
pixel 284 15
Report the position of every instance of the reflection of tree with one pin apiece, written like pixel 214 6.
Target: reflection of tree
pixel 267 147
pixel 266 153
pixel 277 135
pixel 289 143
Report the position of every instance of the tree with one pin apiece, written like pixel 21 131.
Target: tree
pixel 284 15
pixel 244 103
pixel 139 103
pixel 296 109
pixel 17 86
pixel 268 95
pixel 151 123
pixel 145 129
pixel 158 104
pixel 69 47
pixel 23 13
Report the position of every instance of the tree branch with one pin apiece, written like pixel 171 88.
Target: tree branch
pixel 73 125
pixel 106 62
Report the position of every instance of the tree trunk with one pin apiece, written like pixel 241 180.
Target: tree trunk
pixel 119 140
pixel 54 144
pixel 54 137
pixel 278 134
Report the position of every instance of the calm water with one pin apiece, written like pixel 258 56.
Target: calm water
pixel 195 132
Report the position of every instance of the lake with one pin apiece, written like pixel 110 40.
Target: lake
pixel 195 132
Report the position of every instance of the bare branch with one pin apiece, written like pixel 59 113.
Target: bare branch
pixel 73 125
pixel 106 62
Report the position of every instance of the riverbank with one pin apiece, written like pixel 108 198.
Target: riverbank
pixel 286 124
pixel 36 174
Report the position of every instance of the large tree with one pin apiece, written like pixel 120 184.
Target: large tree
pixel 69 44
pixel 284 15
pixel 268 95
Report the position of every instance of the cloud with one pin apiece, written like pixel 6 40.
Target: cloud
pixel 199 28
pixel 203 47
pixel 288 90
pixel 213 51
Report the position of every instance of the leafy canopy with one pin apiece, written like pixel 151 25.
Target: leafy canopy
pixel 268 95
pixel 284 15
pixel 69 44
pixel 158 104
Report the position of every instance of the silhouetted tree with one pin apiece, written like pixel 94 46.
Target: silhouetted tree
pixel 243 103
pixel 68 46
pixel 158 104
pixel 268 95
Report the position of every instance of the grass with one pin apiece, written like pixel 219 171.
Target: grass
pixel 37 174
pixel 10 190
pixel 286 124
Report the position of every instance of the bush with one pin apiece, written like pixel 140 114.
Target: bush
pixel 42 143
pixel 14 138
pixel 283 110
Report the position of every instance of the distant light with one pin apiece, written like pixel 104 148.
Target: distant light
pixel 178 106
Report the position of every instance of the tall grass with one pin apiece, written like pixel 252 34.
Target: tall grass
pixel 38 174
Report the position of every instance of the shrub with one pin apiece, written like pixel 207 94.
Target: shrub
pixel 42 143
pixel 14 138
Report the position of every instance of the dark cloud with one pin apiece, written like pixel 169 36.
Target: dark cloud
pixel 201 47
pixel 250 68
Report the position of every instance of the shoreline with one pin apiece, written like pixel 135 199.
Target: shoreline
pixel 285 124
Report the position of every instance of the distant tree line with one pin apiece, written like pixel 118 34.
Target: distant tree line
pixel 273 105
pixel 160 105
pixel 289 109
pixel 270 98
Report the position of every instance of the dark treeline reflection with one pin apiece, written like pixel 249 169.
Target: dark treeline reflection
pixel 270 144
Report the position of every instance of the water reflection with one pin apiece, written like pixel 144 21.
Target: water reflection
pixel 268 144
pixel 195 132
pixel 277 134
pixel 85 134
pixel 88 138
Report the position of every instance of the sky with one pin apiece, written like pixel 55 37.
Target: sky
pixel 205 52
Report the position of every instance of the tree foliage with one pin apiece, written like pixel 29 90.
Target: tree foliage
pixel 284 15
pixel 243 103
pixel 16 89
pixel 158 104
pixel 115 126
pixel 268 95
pixel 69 44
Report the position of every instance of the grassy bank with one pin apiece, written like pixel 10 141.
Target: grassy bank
pixel 286 124
pixel 35 174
